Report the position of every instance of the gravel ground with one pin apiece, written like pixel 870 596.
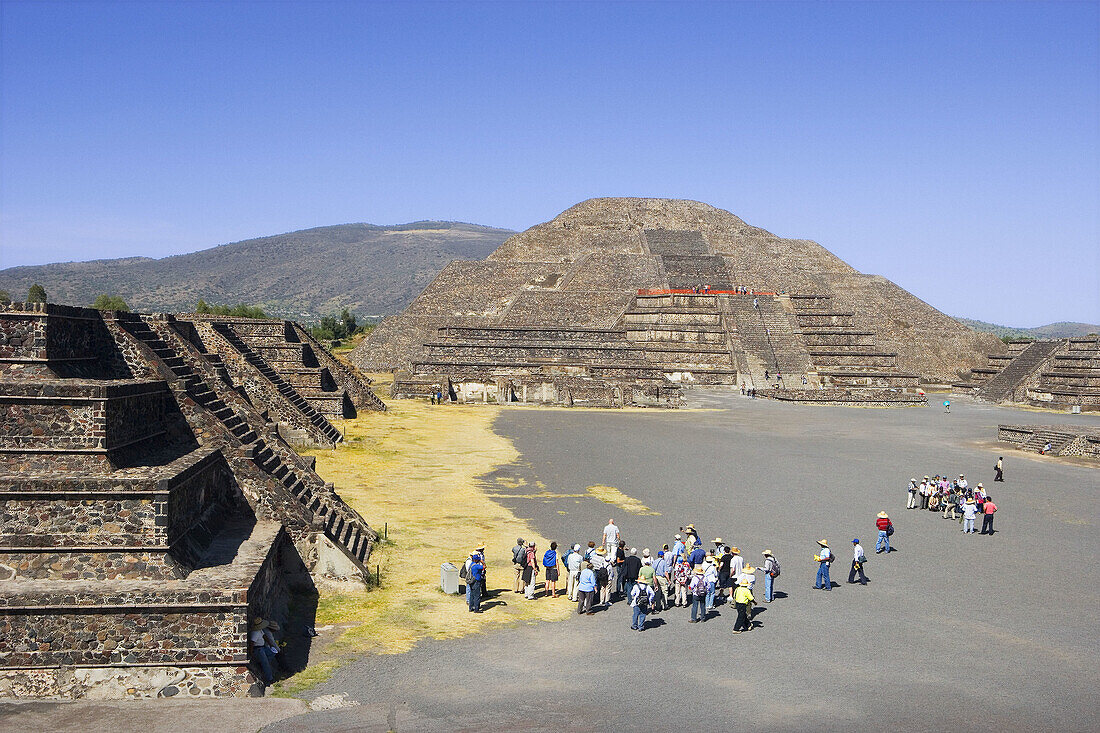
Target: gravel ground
pixel 954 631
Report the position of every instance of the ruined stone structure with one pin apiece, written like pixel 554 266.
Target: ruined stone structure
pixel 1063 373
pixel 1064 440
pixel 150 507
pixel 631 298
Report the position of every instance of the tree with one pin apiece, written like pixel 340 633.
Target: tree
pixel 5 297
pixel 347 320
pixel 37 294
pixel 106 302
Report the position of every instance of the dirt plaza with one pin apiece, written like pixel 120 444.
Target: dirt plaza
pixel 954 631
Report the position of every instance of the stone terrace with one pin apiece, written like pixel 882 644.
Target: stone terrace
pixel 149 511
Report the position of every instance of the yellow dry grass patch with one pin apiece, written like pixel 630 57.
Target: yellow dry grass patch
pixel 416 467
pixel 611 495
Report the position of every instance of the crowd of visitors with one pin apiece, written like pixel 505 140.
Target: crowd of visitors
pixel 686 573
pixel 955 499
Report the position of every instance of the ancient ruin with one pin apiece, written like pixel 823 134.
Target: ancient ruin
pixel 152 505
pixel 623 300
pixel 1063 440
pixel 1063 373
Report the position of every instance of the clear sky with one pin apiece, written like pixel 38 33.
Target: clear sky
pixel 952 147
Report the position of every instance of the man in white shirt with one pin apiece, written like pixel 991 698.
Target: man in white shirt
pixel 963 482
pixel 858 558
pixel 737 564
pixel 610 535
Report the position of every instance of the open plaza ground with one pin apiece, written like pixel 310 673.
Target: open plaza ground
pixel 954 631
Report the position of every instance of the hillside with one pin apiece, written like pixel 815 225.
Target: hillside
pixel 1060 330
pixel 373 270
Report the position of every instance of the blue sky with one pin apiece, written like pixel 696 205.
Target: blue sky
pixel 952 147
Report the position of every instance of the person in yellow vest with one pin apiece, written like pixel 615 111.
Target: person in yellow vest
pixel 743 600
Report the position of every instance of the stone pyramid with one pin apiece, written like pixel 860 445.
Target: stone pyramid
pixel 637 267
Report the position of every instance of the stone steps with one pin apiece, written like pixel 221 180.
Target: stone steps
pixel 1002 385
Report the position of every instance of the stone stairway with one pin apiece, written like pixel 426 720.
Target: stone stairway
pixel 300 403
pixel 1058 440
pixel 1073 377
pixel 769 340
pixel 340 523
pixel 355 384
pixel 1005 383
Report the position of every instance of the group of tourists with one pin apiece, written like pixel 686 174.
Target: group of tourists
pixel 687 573
pixel 955 499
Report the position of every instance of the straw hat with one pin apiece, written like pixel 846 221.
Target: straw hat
pixel 971 501
pixel 600 549
pixel 767 553
pixel 735 550
pixel 748 569
pixel 979 484
pixel 823 543
pixel 678 537
pixel 717 540
pixel 698 569
pixel 883 515
pixel 259 623
pixel 643 580
pixel 480 547
pixel 743 581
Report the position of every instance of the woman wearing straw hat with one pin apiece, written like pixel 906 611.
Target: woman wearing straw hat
pixel 823 558
pixel 771 572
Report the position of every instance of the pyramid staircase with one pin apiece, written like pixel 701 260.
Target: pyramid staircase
pixel 201 382
pixel 1010 383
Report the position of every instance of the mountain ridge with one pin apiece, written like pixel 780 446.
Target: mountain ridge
pixel 1059 329
pixel 371 269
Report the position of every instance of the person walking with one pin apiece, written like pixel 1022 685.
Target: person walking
pixel 574 564
pixel 530 571
pixel 586 590
pixel 641 600
pixel 475 582
pixel 698 591
pixel 743 600
pixel 771 572
pixel 999 469
pixel 519 554
pixel 858 558
pixel 885 529
pixel 988 510
pixel 550 562
pixel 970 512
pixel 823 558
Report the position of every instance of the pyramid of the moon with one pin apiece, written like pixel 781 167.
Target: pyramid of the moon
pixel 641 292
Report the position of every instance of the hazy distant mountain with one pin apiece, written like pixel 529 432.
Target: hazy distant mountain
pixel 305 274
pixel 1061 330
